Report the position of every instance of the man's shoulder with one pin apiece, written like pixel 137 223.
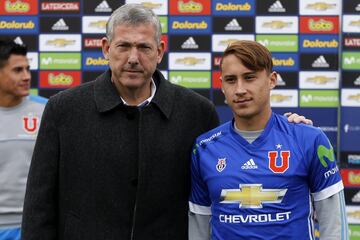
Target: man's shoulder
pixel 213 135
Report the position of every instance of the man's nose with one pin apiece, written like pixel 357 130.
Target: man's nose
pixel 133 56
pixel 26 74
pixel 239 87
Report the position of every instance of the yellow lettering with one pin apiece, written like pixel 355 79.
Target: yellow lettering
pixel 233 7
pixel 283 62
pixel 189 25
pixel 17 6
pixel 320 44
pixel 190 6
pixel 96 61
pixel 321 25
pixel 60 79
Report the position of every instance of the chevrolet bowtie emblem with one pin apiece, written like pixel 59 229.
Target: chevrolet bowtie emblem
pixel 190 60
pixel 320 6
pixel 227 42
pixel 60 42
pixel 279 98
pixel 319 79
pixel 252 195
pixel 277 24
pixel 151 5
pixel 355 97
pixel 98 24
pixel 355 23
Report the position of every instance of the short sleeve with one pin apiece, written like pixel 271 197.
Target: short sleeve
pixel 324 178
pixel 199 201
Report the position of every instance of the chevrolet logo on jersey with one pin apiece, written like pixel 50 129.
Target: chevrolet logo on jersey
pixel 60 42
pixel 151 5
pixel 252 195
pixel 277 24
pixel 190 60
pixel 320 6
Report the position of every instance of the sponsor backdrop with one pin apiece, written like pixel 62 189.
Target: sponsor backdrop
pixel 315 47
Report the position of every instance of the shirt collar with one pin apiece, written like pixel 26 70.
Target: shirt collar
pixel 148 100
pixel 107 98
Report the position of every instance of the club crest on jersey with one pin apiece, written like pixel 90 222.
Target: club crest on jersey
pixel 221 165
pixel 284 163
pixel 30 124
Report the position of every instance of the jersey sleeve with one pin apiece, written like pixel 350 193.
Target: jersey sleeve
pixel 325 179
pixel 199 201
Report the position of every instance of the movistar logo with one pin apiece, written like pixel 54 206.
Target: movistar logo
pixel 323 151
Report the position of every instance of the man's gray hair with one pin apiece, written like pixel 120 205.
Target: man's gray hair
pixel 133 14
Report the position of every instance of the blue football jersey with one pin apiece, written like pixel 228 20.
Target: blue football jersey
pixel 262 190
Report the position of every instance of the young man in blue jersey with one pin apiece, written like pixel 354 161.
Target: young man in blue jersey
pixel 259 176
pixel 19 121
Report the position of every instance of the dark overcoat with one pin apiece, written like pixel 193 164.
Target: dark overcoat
pixel 102 170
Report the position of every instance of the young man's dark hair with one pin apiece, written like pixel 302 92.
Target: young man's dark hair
pixel 9 47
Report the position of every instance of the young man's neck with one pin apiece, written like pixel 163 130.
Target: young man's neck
pixel 254 123
pixel 9 100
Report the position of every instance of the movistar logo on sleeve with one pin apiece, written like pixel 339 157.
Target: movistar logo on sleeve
pixel 323 151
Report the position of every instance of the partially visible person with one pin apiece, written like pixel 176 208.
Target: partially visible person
pixel 259 176
pixel 19 122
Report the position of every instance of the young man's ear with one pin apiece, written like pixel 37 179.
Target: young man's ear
pixel 223 91
pixel 273 79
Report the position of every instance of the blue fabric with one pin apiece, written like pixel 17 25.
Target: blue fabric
pixel 262 190
pixel 10 234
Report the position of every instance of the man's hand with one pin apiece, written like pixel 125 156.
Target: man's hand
pixel 296 118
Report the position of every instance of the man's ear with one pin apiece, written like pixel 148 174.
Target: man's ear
pixel 105 44
pixel 273 79
pixel 161 50
pixel 221 81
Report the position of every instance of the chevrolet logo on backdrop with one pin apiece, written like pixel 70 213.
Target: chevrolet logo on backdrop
pixel 94 24
pixel 221 41
pixel 319 80
pixel 60 42
pixel 159 7
pixel 284 98
pixel 285 25
pixel 322 7
pixel 252 196
pixel 189 61
pixel 350 97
